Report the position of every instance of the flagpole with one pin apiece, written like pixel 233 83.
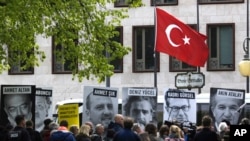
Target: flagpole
pixel 155 57
pixel 198 28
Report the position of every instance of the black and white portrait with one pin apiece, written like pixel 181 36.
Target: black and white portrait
pixel 227 105
pixel 100 105
pixel 140 104
pixel 43 108
pixel 17 100
pixel 179 106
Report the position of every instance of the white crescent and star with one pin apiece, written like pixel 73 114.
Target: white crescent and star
pixel 168 32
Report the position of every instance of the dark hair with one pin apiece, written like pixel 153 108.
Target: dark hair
pixel 245 121
pixel 64 123
pixel 19 119
pixel 151 129
pixel 173 90
pixel 206 121
pixel 29 123
pixel 132 99
pixel 128 122
pixel 47 121
pixel 163 129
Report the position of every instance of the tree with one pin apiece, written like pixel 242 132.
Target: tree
pixel 94 21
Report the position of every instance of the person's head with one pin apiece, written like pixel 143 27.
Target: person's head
pixel 177 109
pixel 175 131
pixel 151 129
pixel 46 123
pixel 245 121
pixel 53 126
pixel 99 129
pixel 141 108
pixel 119 119
pixel 222 127
pixel 64 123
pixel 207 121
pixel 164 130
pixel 90 124
pixel 128 122
pixel 42 110
pixel 225 108
pixel 20 120
pixel 74 129
pixel 29 124
pixel 84 129
pixel 99 109
pixel 17 104
pixel 136 128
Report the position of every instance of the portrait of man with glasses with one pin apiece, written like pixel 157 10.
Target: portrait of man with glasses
pixel 179 106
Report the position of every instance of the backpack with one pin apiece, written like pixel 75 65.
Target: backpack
pixel 15 135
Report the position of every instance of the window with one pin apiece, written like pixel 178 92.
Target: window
pixel 219 1
pixel 221 47
pixel 121 3
pixel 164 2
pixel 178 66
pixel 118 63
pixel 143 49
pixel 61 64
pixel 18 65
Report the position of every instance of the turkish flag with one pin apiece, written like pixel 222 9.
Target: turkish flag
pixel 179 40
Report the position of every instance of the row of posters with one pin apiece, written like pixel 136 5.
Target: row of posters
pixel 179 106
pixel 101 105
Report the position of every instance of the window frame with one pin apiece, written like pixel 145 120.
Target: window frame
pixel 20 72
pixel 117 4
pixel 54 71
pixel 120 29
pixel 172 59
pixel 233 47
pixel 220 1
pixel 134 51
pixel 162 4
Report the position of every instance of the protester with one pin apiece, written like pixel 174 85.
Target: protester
pixel 115 126
pixel 99 131
pixel 19 132
pixel 83 133
pixel 175 133
pixel 34 135
pixel 62 133
pixel 151 129
pixel 45 133
pixel 126 134
pixel 206 134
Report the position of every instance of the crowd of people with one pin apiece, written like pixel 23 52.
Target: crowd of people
pixel 122 128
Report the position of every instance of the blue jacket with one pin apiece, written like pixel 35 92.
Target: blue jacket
pixel 61 135
pixel 126 135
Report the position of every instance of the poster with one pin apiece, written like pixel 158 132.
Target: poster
pixel 179 107
pixel 226 105
pixel 43 108
pixel 100 105
pixel 17 100
pixel 140 103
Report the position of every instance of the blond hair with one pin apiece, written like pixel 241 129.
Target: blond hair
pixel 85 129
pixel 175 130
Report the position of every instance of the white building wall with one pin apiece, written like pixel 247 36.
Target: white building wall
pixel 64 87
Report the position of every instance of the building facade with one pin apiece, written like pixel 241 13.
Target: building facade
pixel 223 21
